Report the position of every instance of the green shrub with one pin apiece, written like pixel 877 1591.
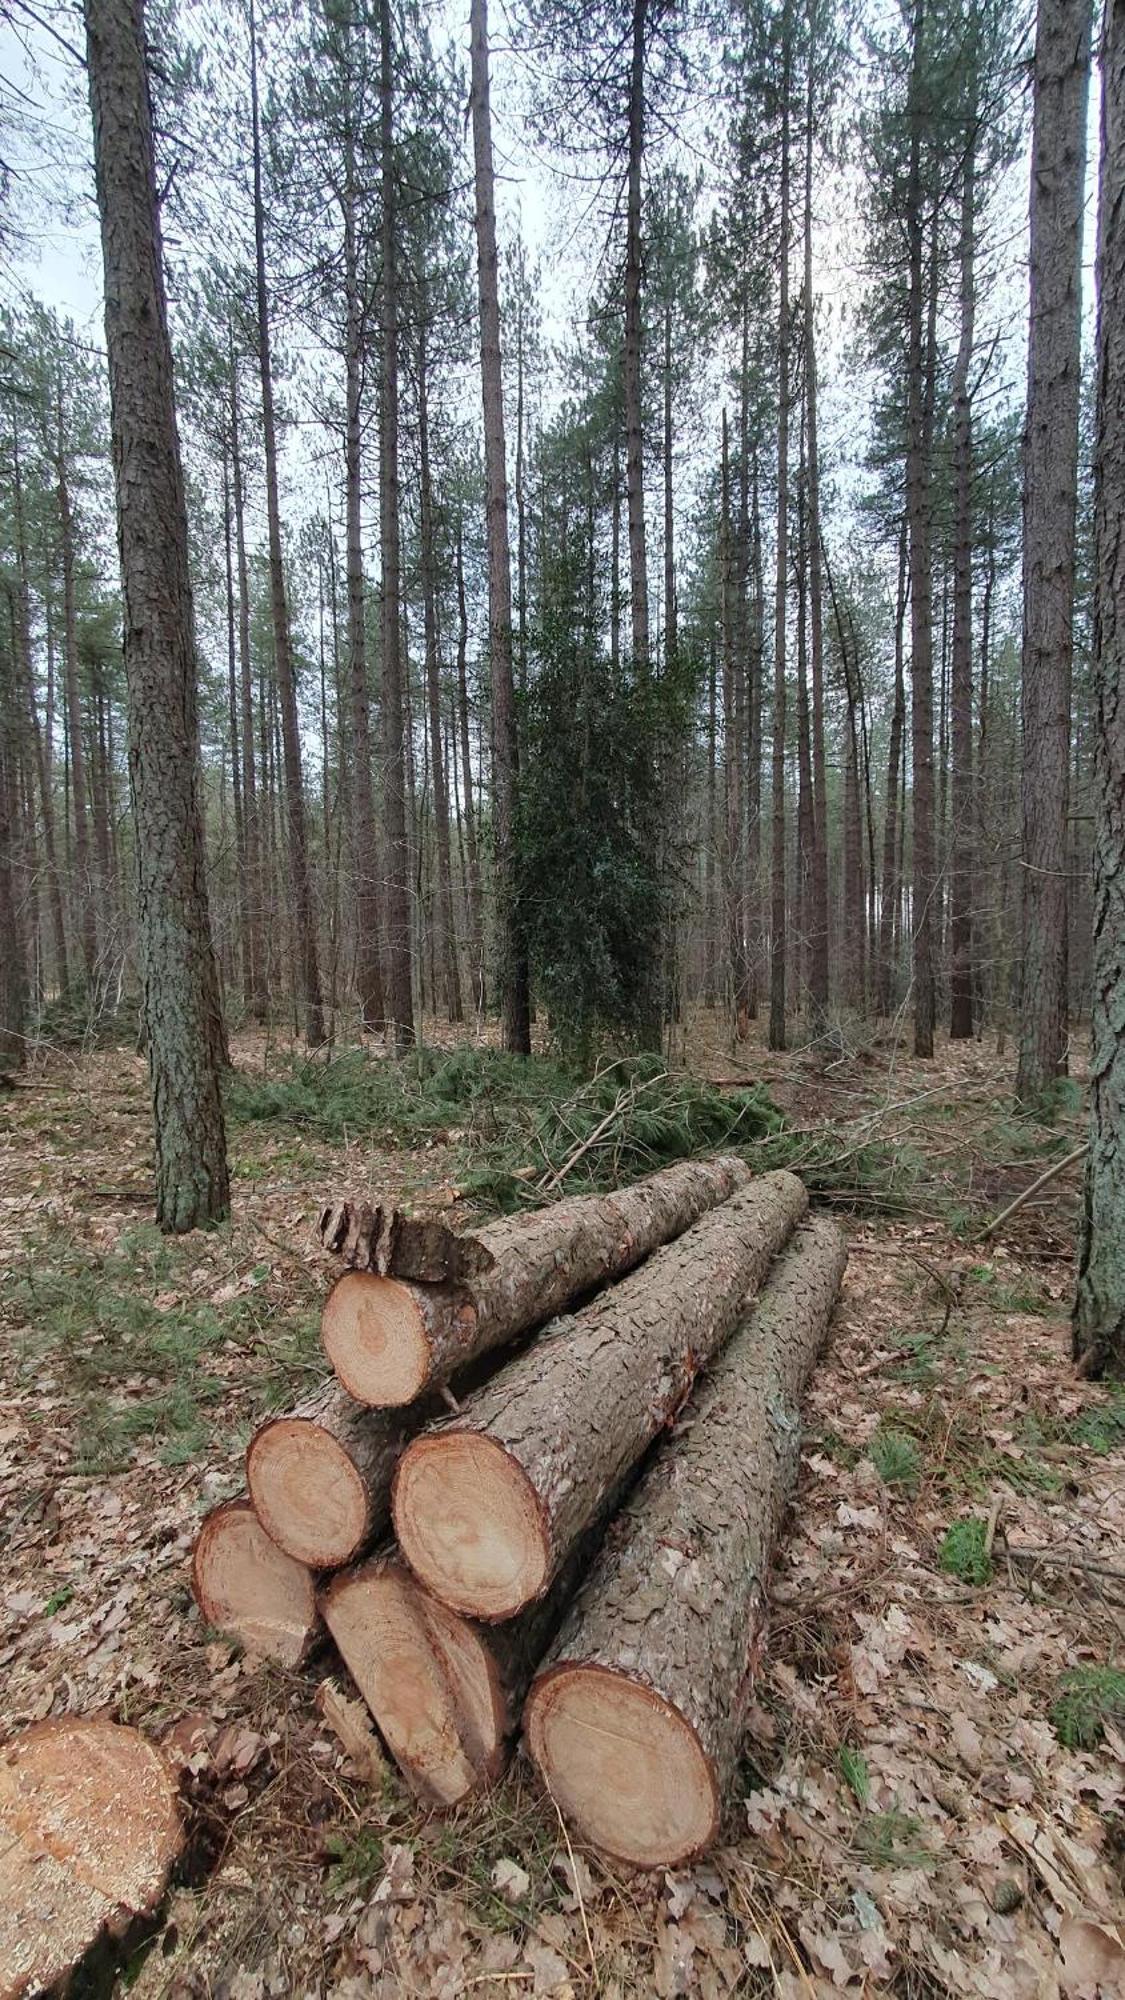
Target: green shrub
pixel 1087 1699
pixel 963 1550
pixel 896 1457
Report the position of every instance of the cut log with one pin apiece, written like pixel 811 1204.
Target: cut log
pixel 244 1584
pixel 372 1236
pixel 446 1692
pixel 488 1506
pixel 635 1720
pixel 320 1477
pixel 89 1829
pixel 388 1340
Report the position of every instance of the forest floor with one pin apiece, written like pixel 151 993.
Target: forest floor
pixel 928 1805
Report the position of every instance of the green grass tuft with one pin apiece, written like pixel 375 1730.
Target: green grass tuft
pixel 892 1839
pixel 962 1550
pixel 896 1457
pixel 854 1772
pixel 1088 1698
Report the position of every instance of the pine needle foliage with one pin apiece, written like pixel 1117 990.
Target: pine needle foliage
pixel 1088 1698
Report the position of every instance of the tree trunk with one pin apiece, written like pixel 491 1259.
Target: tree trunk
pixel 515 1000
pixel 819 952
pixel 13 957
pixel 475 898
pixel 778 945
pixel 961 699
pixel 241 889
pixel 258 997
pixel 320 1477
pixel 303 914
pixel 1050 486
pixel 918 510
pixel 732 768
pixel 183 1021
pixel 87 920
pixel 806 815
pixel 39 746
pixel 447 934
pixel 487 1507
pixel 1099 1313
pixel 891 884
pixel 389 1338
pixel 632 385
pixel 365 860
pixel 244 1584
pixel 636 1721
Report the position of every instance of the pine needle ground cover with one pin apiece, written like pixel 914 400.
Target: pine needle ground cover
pixel 932 1789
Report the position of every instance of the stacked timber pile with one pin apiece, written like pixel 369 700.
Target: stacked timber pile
pixel 575 1541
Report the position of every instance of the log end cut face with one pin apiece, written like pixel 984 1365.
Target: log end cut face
pixel 469 1523
pixel 622 1765
pixel 373 1334
pixel 307 1492
pixel 89 1829
pixel 427 1677
pixel 245 1584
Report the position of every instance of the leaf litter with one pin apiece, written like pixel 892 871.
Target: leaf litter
pixel 908 1821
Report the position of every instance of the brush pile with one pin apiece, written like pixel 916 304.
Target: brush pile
pixel 551 1560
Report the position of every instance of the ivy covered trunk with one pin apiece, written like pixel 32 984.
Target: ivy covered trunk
pixel 183 1021
pixel 1099 1315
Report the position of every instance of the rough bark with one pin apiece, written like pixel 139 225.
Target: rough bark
pixel 778 943
pixel 13 959
pixel 961 679
pixel 636 1720
pixel 488 1506
pixel 259 992
pixel 388 1340
pixel 320 1476
pixel 733 715
pixel 891 890
pixel 515 999
pixel 400 1000
pixel 631 372
pixel 1099 1314
pixel 368 969
pixel 89 1829
pixel 447 934
pixel 472 848
pixel 1050 486
pixel 40 747
pixel 87 920
pixel 183 1021
pixel 244 1584
pixel 918 514
pixel 304 919
pixel 818 956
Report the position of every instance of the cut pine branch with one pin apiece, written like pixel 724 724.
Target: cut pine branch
pixel 488 1506
pixel 635 1721
pixel 389 1336
pixel 244 1584
pixel 320 1477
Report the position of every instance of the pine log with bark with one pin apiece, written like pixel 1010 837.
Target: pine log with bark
pixel 488 1506
pixel 89 1829
pixel 445 1692
pixel 635 1721
pixel 244 1584
pixel 389 1340
pixel 320 1477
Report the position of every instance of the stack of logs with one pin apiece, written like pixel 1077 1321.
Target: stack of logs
pixel 547 1564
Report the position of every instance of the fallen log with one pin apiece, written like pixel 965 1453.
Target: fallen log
pixel 244 1584
pixel 320 1477
pixel 375 1236
pixel 389 1340
pixel 89 1829
pixel 635 1720
pixel 445 1692
pixel 488 1506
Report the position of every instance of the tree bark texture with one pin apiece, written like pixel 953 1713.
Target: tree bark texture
pixel 631 385
pixel 665 1632
pixel 447 933
pixel 918 507
pixel 182 1014
pixel 515 998
pixel 382 1334
pixel 961 690
pixel 1050 488
pixel 488 1506
pixel 778 941
pixel 1099 1314
pixel 818 954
